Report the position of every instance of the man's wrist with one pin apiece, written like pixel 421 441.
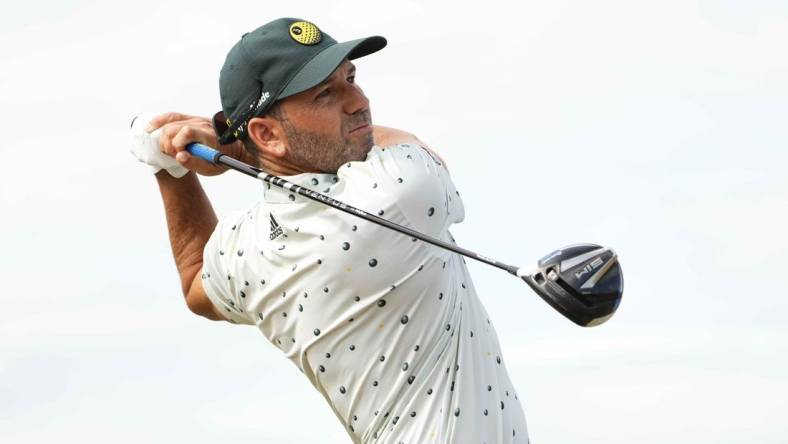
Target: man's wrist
pixel 164 174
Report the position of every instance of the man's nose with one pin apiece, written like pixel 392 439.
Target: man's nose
pixel 355 101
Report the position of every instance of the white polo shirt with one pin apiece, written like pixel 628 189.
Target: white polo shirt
pixel 389 329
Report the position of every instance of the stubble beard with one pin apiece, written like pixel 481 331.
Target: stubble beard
pixel 326 154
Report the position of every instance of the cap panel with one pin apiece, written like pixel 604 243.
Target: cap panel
pixel 235 76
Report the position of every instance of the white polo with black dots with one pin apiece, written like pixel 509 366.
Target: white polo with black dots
pixel 388 328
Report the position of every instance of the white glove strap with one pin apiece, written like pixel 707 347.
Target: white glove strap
pixel 145 147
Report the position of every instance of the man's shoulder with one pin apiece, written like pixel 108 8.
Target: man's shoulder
pixel 238 221
pixel 385 136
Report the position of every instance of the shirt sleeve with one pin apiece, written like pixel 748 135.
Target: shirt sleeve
pixel 222 256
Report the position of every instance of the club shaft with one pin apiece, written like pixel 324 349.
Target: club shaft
pixel 211 155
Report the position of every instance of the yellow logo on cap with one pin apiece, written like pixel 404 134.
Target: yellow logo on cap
pixel 305 33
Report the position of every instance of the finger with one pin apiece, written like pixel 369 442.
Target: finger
pixel 163 119
pixel 184 158
pixel 187 135
pixel 168 133
pixel 194 163
pixel 193 133
pixel 206 131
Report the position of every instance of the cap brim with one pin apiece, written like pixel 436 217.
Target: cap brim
pixel 323 64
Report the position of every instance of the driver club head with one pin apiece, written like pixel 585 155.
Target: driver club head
pixel 583 282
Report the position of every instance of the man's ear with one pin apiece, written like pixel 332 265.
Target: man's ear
pixel 269 136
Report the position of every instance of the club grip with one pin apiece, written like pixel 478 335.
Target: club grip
pixel 203 152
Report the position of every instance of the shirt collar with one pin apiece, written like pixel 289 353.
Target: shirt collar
pixel 321 182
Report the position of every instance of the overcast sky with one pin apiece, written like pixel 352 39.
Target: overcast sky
pixel 656 128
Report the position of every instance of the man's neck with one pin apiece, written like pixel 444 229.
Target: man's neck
pixel 281 167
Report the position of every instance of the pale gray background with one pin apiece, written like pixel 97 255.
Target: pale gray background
pixel 657 128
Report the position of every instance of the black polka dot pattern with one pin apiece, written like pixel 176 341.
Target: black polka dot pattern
pixel 363 279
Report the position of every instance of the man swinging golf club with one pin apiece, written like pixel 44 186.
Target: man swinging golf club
pixel 388 328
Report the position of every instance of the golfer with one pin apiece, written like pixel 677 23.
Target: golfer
pixel 387 328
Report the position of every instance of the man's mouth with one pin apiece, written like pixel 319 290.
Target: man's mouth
pixel 365 125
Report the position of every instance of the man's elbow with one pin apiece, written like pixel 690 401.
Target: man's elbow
pixel 202 306
pixel 197 300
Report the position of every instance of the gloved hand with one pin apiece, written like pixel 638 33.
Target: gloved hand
pixel 145 147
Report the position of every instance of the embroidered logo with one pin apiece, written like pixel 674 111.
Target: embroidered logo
pixel 305 33
pixel 276 230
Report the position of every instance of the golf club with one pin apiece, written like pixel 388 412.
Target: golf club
pixel 583 282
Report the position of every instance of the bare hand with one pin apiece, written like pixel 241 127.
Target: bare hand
pixel 178 130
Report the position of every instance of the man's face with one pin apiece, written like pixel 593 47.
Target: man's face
pixel 330 124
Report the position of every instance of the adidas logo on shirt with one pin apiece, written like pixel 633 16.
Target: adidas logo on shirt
pixel 276 230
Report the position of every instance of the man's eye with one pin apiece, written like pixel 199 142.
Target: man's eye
pixel 324 93
pixel 351 79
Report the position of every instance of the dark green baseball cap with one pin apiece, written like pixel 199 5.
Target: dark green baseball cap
pixel 277 60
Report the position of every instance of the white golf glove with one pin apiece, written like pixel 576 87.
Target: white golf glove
pixel 145 147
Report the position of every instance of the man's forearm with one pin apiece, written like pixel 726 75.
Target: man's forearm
pixel 190 222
